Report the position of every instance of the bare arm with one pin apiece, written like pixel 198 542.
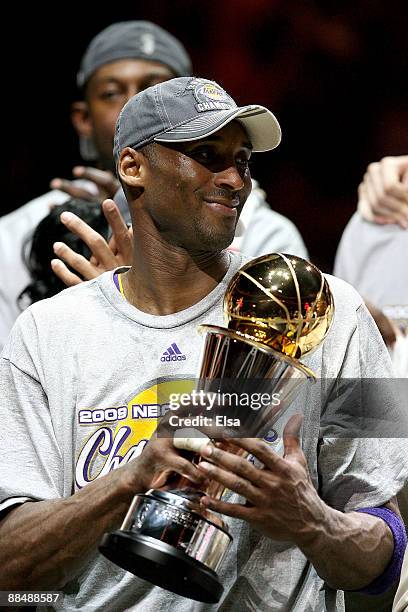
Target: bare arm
pixel 348 550
pixel 351 549
pixel 45 544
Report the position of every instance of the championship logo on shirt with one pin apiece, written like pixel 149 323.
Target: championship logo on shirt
pixel 121 433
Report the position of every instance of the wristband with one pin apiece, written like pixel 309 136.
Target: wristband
pixel 392 572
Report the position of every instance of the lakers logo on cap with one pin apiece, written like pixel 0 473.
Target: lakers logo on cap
pixel 212 91
pixel 210 96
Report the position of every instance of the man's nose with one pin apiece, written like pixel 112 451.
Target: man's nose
pixel 230 179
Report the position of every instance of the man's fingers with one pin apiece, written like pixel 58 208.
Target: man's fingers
pixel 68 278
pixel 383 194
pixel 261 451
pixel 102 178
pixel 371 194
pixel 79 263
pixel 291 435
pixel 232 481
pixel 392 174
pixel 402 220
pixel 188 469
pixel 189 438
pixel 383 220
pixel 97 244
pixel 373 181
pixel 384 211
pixel 241 466
pixel 363 205
pixel 73 190
pixel 235 510
pixel 122 237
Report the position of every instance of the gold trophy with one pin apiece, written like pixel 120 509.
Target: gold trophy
pixel 278 308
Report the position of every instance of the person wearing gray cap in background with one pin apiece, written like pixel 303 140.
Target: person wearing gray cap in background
pixel 120 61
pixel 77 368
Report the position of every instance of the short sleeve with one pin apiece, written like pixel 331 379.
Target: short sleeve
pixel 30 459
pixel 363 449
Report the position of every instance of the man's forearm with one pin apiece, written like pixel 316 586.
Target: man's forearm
pixel 45 544
pixel 349 550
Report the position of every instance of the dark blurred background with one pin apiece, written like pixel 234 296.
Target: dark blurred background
pixel 334 73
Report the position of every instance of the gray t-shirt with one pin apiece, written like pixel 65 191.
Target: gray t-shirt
pixel 77 378
pixel 373 258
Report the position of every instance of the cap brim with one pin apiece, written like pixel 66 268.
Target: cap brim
pixel 260 124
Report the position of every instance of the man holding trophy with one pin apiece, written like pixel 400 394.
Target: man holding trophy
pixel 83 381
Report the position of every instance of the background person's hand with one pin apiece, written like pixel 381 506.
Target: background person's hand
pixel 105 256
pixel 106 184
pixel 383 193
pixel 282 502
pixel 386 327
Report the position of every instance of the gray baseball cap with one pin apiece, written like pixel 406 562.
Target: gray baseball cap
pixel 190 108
pixel 134 40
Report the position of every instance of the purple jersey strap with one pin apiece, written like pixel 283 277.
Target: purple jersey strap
pixel 392 572
pixel 116 280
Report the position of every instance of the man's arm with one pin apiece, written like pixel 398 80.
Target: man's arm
pixel 45 544
pixel 348 550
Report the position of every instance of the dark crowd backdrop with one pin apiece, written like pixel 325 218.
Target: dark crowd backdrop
pixel 334 73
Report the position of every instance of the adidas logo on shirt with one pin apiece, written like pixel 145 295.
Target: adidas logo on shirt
pixel 173 353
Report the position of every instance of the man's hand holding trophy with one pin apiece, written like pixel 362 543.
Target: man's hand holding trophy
pixel 278 308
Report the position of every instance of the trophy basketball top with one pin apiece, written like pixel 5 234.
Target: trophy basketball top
pixel 281 301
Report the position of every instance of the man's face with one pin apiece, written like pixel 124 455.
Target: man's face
pixel 195 190
pixel 108 90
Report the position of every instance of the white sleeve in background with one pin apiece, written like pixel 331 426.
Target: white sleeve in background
pixel 15 229
pixel 266 231
pixel 373 258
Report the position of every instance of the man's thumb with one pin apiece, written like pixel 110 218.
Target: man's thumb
pixel 291 435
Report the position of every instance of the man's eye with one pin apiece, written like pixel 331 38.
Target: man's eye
pixel 203 155
pixel 110 94
pixel 243 162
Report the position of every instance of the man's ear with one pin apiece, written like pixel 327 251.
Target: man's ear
pixel 83 126
pixel 132 168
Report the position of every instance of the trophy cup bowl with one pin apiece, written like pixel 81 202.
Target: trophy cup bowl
pixel 278 307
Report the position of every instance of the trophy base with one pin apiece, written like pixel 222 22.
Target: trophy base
pixel 162 565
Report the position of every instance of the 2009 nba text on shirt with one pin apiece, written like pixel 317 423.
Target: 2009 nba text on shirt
pixel 79 382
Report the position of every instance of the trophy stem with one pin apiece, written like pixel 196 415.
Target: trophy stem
pixel 163 541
